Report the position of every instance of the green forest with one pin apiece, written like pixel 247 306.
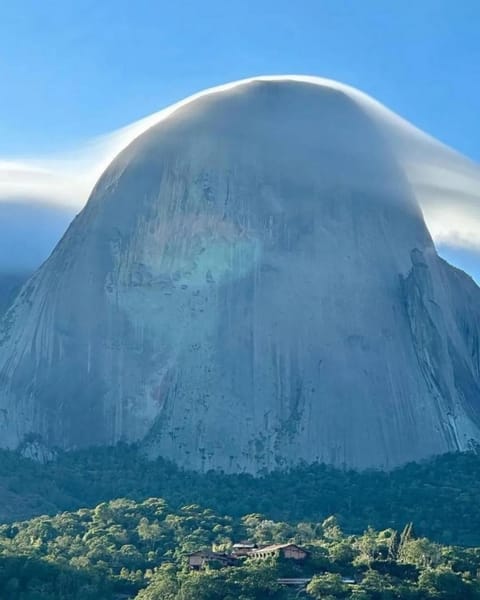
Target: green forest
pixel 127 549
pixel 108 524
pixel 441 496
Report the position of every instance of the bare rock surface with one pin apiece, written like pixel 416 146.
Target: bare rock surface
pixel 250 285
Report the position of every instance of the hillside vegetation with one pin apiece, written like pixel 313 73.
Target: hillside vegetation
pixel 440 497
pixel 126 549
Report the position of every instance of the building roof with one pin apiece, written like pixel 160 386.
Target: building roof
pixel 244 545
pixel 275 547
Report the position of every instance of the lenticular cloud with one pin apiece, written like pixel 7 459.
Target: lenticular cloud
pixel 446 184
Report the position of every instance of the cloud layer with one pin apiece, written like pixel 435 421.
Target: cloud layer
pixel 38 196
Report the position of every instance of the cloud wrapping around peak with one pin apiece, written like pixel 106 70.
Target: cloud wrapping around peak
pixel 446 184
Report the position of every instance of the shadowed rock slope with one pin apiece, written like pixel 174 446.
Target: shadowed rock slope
pixel 250 285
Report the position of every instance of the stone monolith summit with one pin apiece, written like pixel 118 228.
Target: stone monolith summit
pixel 251 284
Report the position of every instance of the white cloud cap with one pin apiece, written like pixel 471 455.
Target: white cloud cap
pixel 446 184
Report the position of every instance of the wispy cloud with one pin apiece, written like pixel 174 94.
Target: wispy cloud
pixel 446 183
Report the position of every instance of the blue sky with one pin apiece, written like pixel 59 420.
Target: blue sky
pixel 73 69
pixel 70 70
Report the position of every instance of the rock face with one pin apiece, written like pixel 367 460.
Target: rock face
pixel 251 284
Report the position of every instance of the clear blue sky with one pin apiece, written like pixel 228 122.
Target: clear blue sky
pixel 70 69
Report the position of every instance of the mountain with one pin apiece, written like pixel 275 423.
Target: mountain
pixel 28 232
pixel 250 285
pixel 10 284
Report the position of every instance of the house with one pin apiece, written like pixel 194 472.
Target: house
pixel 201 558
pixel 243 548
pixel 289 551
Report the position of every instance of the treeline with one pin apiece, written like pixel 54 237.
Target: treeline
pixel 126 549
pixel 439 496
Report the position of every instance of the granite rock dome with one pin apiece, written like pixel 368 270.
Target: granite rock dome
pixel 251 284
